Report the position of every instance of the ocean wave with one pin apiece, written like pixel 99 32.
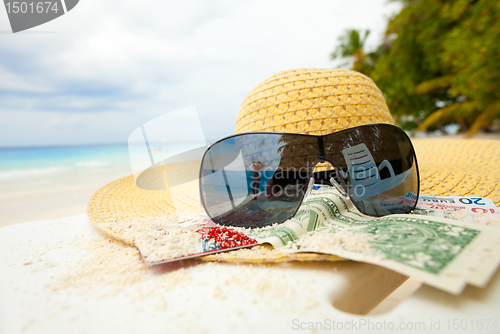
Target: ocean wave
pixel 32 172
pixel 92 164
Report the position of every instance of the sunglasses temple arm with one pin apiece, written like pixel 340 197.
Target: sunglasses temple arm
pixel 338 187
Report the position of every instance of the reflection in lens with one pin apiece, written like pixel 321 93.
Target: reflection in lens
pixel 258 179
pixel 378 165
pixel 255 180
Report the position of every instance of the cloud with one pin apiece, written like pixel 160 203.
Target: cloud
pixel 110 66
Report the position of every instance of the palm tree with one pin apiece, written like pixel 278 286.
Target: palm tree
pixel 352 47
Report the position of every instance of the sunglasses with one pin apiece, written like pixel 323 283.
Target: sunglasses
pixel 260 178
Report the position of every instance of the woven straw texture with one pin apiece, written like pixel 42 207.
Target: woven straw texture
pixel 119 204
pixel 321 101
pixel 463 167
pixel 313 102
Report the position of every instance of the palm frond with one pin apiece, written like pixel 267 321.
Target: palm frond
pixel 434 84
pixel 466 110
pixel 484 119
pixel 438 116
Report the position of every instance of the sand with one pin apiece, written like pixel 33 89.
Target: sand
pixel 53 196
pixel 482 135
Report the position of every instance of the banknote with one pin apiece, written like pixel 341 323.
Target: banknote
pixel 445 253
pixel 467 209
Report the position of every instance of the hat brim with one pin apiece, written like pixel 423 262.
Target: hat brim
pixel 447 168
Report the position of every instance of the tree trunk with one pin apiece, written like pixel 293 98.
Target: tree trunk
pixel 439 126
pixel 463 125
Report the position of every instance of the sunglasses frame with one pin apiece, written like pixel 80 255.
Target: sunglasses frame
pixel 321 160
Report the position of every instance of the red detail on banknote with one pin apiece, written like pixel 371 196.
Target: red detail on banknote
pixel 226 238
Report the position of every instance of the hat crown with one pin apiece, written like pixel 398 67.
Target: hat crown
pixel 312 101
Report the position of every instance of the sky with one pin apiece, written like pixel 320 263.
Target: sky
pixel 95 74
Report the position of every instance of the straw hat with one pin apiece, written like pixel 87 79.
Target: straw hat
pixel 321 101
pixel 311 101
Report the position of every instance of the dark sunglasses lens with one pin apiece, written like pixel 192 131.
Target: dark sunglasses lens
pixel 378 165
pixel 255 180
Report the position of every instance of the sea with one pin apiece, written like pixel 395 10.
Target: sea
pixel 32 162
pixel 53 182
pixel 23 163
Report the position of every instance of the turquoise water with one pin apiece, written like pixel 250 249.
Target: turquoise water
pixel 19 163
pixel 29 162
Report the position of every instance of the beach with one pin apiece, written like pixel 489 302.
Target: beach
pixel 54 182
pixel 481 135
pixel 57 182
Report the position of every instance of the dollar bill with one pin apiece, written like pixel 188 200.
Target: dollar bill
pixel 447 254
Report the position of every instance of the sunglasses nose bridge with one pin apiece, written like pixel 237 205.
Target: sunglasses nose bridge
pixel 321 149
pixel 339 177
